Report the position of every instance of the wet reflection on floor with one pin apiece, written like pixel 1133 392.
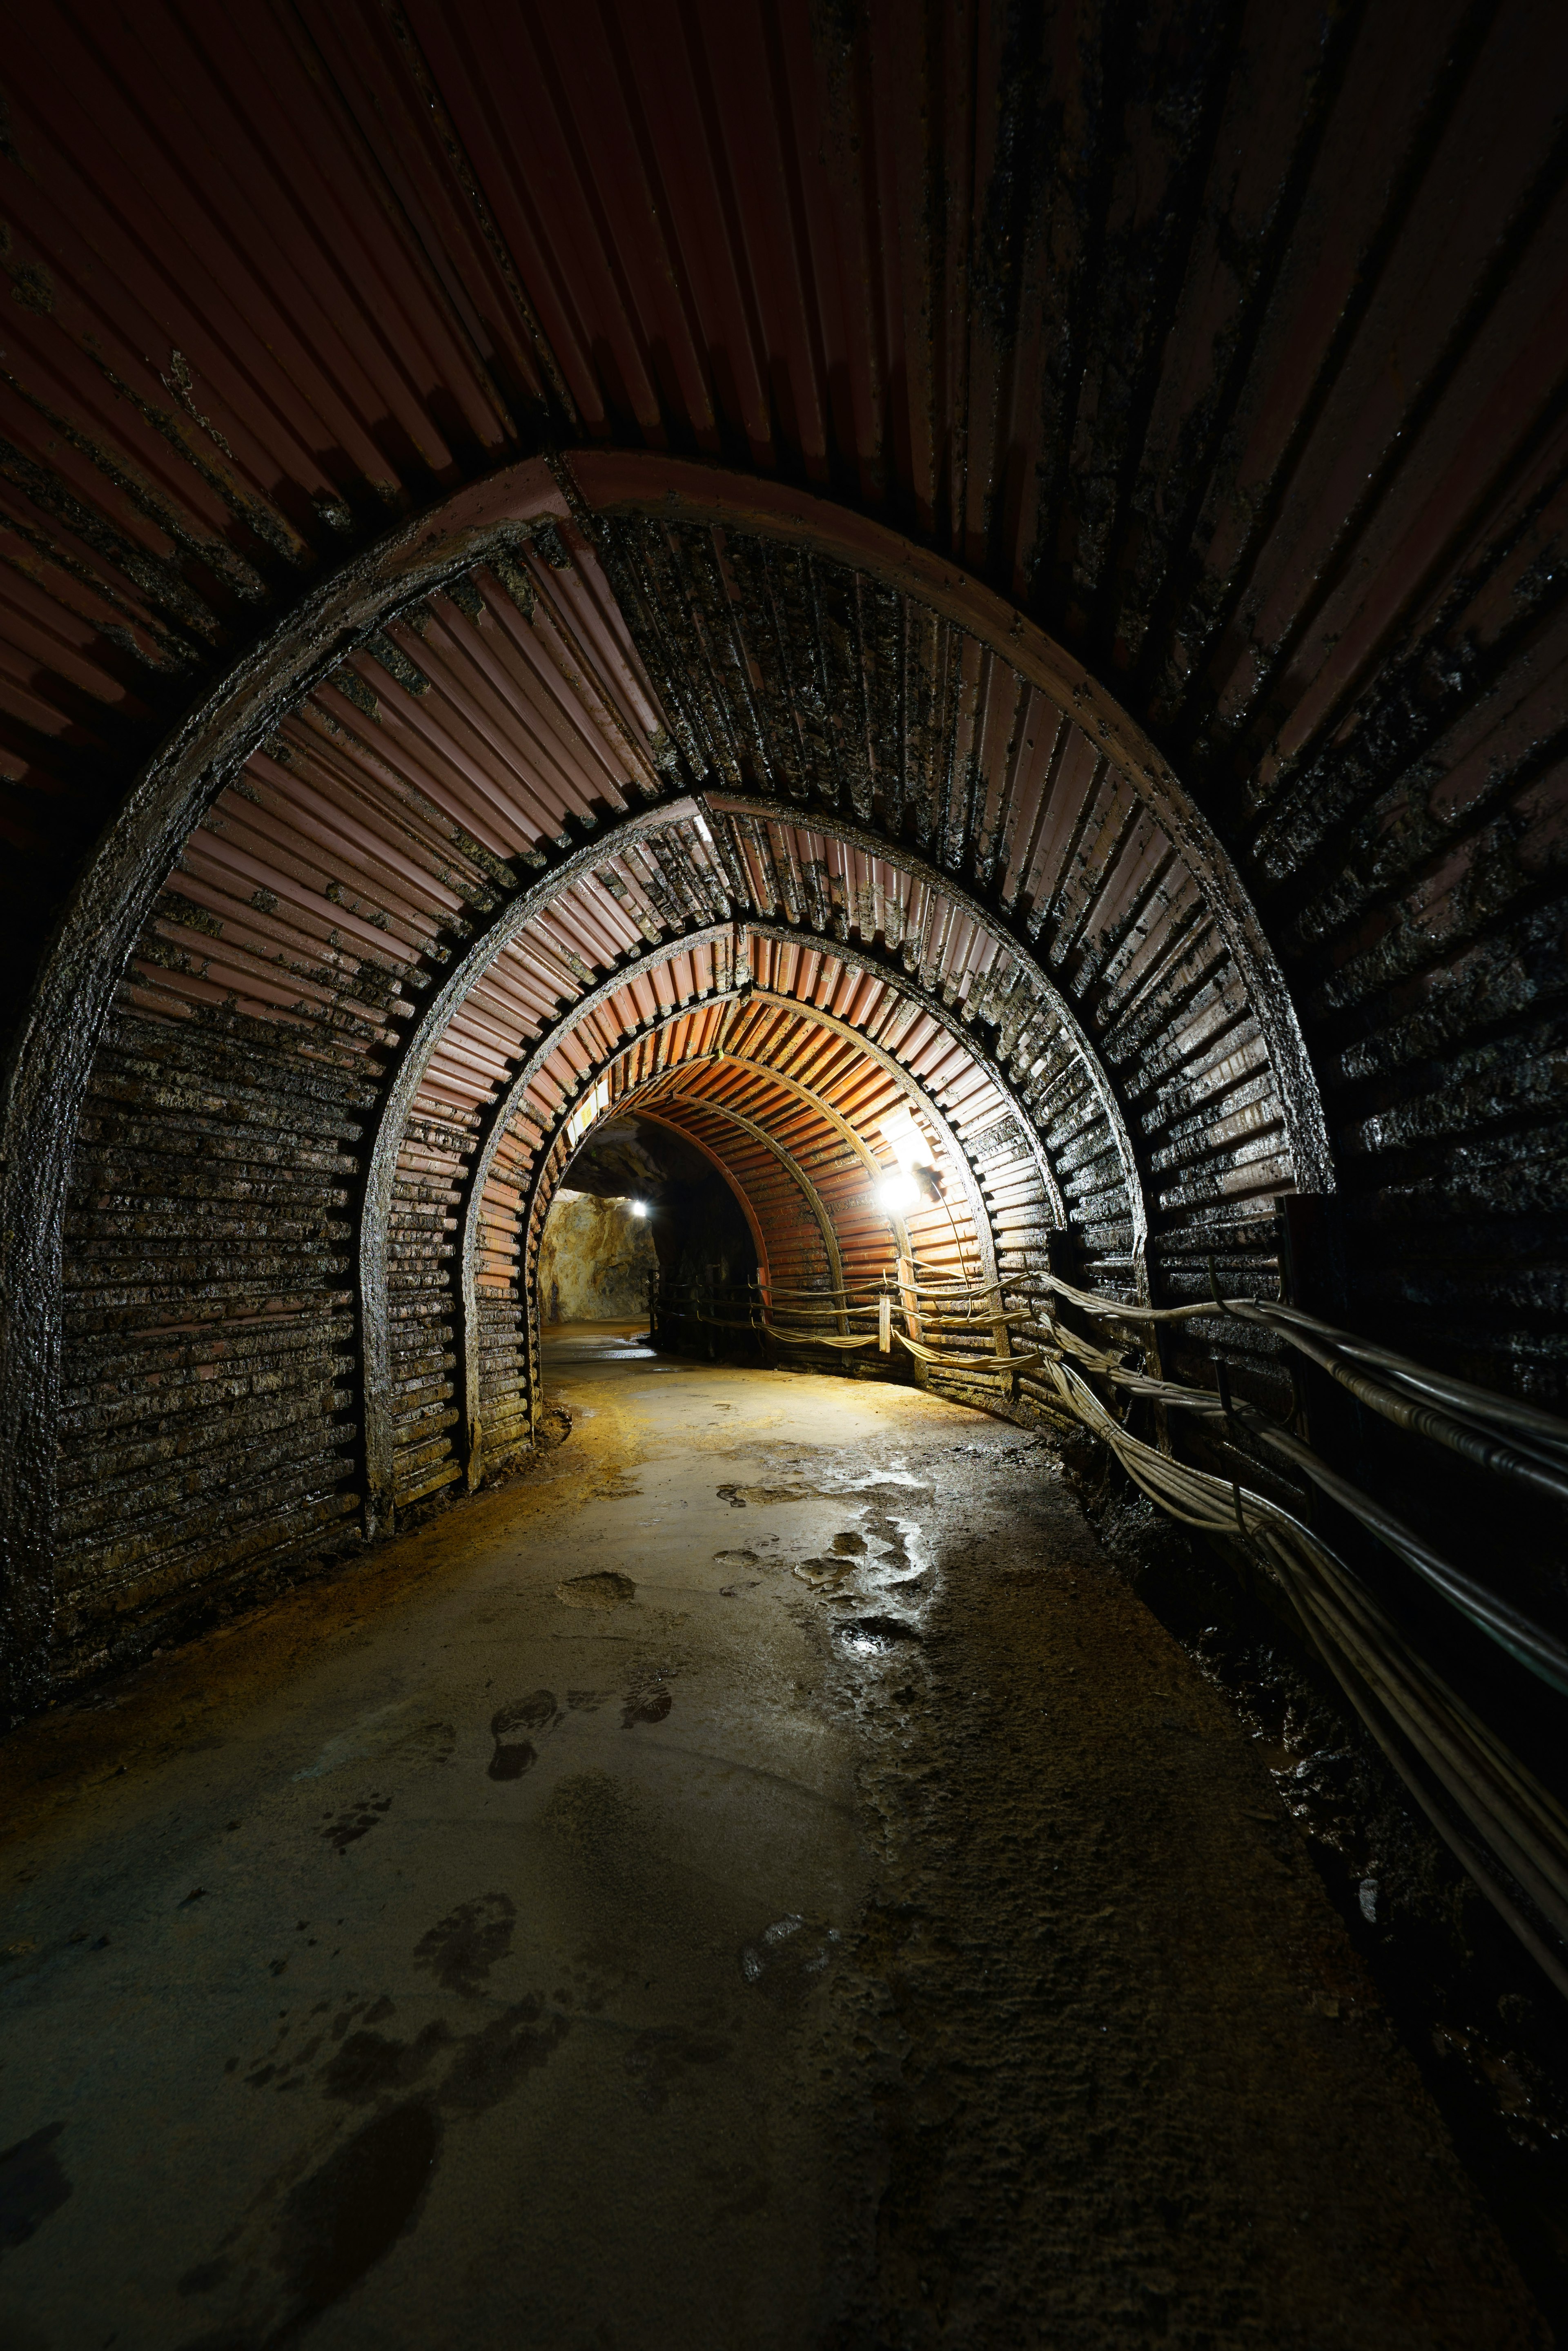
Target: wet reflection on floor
pixel 760 1879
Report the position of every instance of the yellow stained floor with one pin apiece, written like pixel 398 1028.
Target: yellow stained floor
pixel 758 1879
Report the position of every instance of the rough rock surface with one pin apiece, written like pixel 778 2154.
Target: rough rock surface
pixel 595 1258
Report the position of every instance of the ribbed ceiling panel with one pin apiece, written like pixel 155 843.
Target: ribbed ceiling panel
pixel 1229 344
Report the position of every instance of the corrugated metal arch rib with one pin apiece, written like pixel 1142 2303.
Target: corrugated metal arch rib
pixel 450 837
pixel 742 1053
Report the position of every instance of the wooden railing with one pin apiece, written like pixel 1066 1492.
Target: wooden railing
pixel 1087 1358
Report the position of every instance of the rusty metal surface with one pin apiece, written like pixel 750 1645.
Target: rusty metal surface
pixel 1232 345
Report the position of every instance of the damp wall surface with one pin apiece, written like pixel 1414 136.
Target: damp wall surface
pixel 595 1260
pixel 1229 346
pixel 208 1417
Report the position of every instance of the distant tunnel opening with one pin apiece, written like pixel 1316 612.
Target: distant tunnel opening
pixel 523 859
pixel 1034 851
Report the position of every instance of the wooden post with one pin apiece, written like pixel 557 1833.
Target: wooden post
pixel 911 1305
pixel 1002 1339
pixel 906 1297
pixel 884 1324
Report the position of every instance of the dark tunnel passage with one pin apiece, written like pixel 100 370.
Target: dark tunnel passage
pixel 782 1514
pixel 698 1229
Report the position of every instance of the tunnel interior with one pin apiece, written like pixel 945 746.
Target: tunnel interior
pixel 853 716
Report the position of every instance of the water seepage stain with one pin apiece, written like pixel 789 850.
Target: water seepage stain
pixel 343 2218
pixel 513 1757
pixel 32 2185
pixel 825 1575
pixel 369 2064
pixel 461 1950
pixel 603 1589
pixel 338 2223
pixel 489 2063
pixel 738 1497
pixel 486 2065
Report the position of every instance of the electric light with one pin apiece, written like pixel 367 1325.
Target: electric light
pixel 896 1192
pixel 638 1207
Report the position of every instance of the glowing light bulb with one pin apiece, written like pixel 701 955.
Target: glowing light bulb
pixel 896 1192
pixel 638 1207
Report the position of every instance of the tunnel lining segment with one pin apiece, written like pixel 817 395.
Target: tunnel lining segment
pixel 51 1060
pixel 730 935
pixel 956 1154
pixel 513 920
pixel 49 1075
pixel 536 1193
pixel 672 490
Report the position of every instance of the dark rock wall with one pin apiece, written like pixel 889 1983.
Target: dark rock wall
pixel 595 1260
pixel 701 1235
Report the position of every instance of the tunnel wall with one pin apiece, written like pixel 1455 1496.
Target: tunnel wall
pixel 1227 344
pixel 595 1260
pixel 379 899
pixel 208 1416
pixel 352 919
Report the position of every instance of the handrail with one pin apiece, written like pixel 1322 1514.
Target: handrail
pixel 1509 1832
pixel 1540 1434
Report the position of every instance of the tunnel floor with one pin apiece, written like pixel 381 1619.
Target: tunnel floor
pixel 758 1878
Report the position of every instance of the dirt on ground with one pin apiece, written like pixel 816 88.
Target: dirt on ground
pixel 763 1878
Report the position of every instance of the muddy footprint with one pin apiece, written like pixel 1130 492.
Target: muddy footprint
pixel 513 1757
pixel 648 1705
pixel 360 1819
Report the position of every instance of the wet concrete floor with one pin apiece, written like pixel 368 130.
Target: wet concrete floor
pixel 758 1879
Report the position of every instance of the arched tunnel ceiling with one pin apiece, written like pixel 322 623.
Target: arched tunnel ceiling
pixel 1228 343
pixel 415 937
pixel 1228 346
pixel 969 831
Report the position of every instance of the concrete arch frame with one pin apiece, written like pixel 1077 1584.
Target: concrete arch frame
pixel 513 918
pixel 51 1062
pixel 511 1103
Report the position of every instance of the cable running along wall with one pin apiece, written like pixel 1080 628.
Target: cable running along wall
pixel 511 822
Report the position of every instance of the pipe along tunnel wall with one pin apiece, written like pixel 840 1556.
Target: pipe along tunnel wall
pixel 1226 348
pixel 1087 695
pixel 403 935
